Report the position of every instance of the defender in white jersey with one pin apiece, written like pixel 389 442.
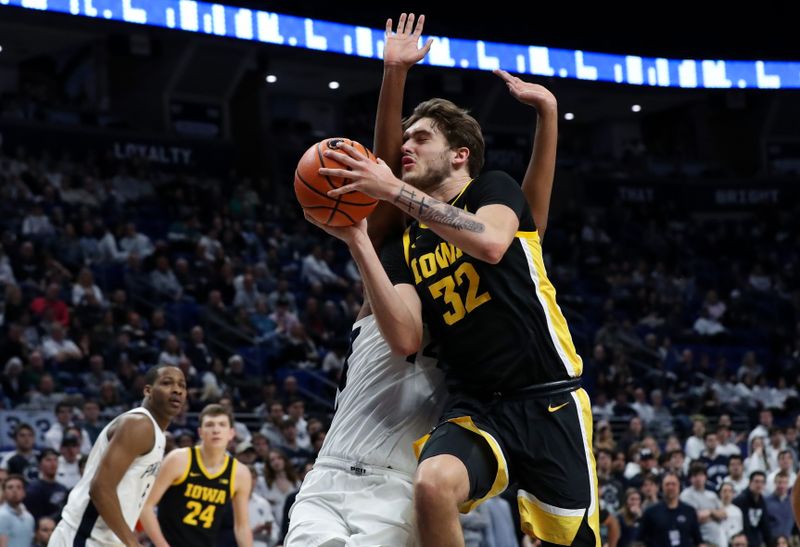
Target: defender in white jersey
pixel 360 490
pixel 104 506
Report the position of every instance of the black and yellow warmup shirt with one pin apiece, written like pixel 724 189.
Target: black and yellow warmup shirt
pixel 499 326
pixel 191 510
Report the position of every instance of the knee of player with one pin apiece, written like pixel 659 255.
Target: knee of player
pixel 441 479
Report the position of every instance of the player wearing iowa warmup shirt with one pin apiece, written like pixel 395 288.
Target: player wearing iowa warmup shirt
pixel 195 486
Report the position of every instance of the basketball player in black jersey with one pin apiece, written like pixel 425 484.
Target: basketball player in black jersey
pixel 471 266
pixel 194 487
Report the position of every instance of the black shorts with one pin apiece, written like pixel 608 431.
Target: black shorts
pixel 541 443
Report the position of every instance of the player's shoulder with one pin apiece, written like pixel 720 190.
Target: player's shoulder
pixel 494 176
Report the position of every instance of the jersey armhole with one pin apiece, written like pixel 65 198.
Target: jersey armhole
pixel 185 474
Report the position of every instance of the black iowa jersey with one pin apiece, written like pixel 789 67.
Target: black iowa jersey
pixel 191 509
pixel 499 326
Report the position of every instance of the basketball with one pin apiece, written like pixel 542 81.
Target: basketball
pixel 311 188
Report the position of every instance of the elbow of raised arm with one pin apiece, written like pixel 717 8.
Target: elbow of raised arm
pixel 405 344
pixel 494 251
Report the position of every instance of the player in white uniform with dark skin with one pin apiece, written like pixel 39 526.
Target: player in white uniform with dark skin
pixel 104 506
pixel 360 490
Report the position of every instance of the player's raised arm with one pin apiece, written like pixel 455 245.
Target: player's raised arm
pixel 174 467
pixel 538 182
pixel 400 53
pixel 133 437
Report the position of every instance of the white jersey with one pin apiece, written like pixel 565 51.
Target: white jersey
pixel 80 514
pixel 384 404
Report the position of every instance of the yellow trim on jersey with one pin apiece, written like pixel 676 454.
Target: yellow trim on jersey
pixel 585 418
pixel 208 475
pixel 548 522
pixel 182 478
pixel 407 245
pixel 233 476
pixel 501 479
pixel 546 294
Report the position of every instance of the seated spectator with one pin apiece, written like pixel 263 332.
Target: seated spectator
pixel 736 476
pixel 84 287
pixel 44 529
pixel 752 504
pixel 164 282
pixel 670 523
pixel 92 422
pixel 716 464
pixel 46 396
pixel 733 523
pixel 786 466
pixel 317 271
pixel 68 470
pixel 779 506
pixel 45 497
pixel 16 523
pixel 51 301
pixel 172 353
pixel 60 348
pixel 247 296
pixel 135 243
pixel 37 224
pixel 14 383
pixel 696 443
pixel 24 459
pixel 630 517
pixel 197 351
pixel 282 292
pixel 757 459
pixel 96 376
pixel 708 506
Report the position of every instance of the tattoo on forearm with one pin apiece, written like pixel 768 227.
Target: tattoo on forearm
pixel 430 210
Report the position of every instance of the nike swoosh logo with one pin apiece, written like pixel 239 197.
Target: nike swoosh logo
pixel 551 408
pixel 198 474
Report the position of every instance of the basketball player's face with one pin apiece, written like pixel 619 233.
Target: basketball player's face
pixel 216 431
pixel 168 393
pixel 427 156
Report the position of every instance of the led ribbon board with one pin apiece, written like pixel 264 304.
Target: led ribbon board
pixel 276 28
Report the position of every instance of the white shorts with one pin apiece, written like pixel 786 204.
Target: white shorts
pixel 340 507
pixel 64 536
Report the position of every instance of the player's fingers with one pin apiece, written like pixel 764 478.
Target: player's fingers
pixel 420 24
pixel 401 23
pixel 409 24
pixel 343 190
pixel 344 159
pixel 388 27
pixel 344 173
pixel 353 152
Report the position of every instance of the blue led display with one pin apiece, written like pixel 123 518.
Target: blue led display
pixel 275 28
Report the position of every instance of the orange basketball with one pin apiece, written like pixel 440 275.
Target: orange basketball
pixel 312 188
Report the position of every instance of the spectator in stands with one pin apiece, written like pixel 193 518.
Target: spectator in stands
pixel 754 507
pixel 97 375
pixel 14 383
pixel 84 287
pixel 110 400
pixel 296 454
pixel 751 367
pixel 757 459
pixel 60 348
pixel 785 465
pixel 775 445
pixel 282 292
pixel 670 523
pixel 710 512
pixel 107 248
pixel 172 352
pixel 736 476
pixel 45 396
pixel 648 465
pixel 45 496
pixel 244 386
pixel 296 409
pixel 317 271
pixel 716 464
pixel 135 243
pixel 16 523
pixel 92 423
pixel 54 436
pixel 634 433
pixel 696 443
pixel 651 491
pixel 197 351
pixel 727 444
pixel 37 224
pixel 44 529
pixel 51 301
pixel 272 424
pixel 28 266
pixel 733 523
pixel 247 295
pixel 779 506
pixel 281 480
pixel 630 517
pixel 164 282
pixel 24 459
pixel 68 472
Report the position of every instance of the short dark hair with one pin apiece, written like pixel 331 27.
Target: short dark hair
pixel 735 457
pixel 458 127
pixel 15 477
pixel 47 452
pixel 214 410
pixel 755 474
pixel 152 373
pixel 62 404
pixel 697 468
pixel 21 426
